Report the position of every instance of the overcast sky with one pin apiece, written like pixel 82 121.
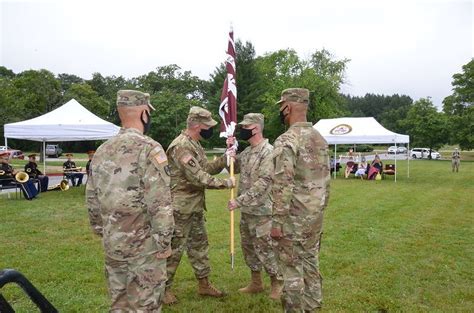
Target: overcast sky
pixel 405 47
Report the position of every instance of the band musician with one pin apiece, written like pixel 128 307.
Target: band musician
pixel 9 177
pixel 31 168
pixel 71 171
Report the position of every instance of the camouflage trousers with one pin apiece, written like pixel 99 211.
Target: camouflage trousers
pixel 299 265
pixel 257 244
pixel 190 234
pixel 455 164
pixel 136 285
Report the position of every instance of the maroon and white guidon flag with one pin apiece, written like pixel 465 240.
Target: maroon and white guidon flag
pixel 228 106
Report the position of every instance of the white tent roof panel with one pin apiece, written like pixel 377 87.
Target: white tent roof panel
pixel 357 130
pixel 69 122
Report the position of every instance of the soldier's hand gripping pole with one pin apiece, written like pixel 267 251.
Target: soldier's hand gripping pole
pixel 232 217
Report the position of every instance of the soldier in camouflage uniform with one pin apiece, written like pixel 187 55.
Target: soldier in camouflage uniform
pixel 191 174
pixel 129 201
pixel 255 165
pixel 300 194
pixel 456 160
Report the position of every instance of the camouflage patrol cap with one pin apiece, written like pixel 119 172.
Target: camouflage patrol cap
pixel 131 98
pixel 300 95
pixel 253 118
pixel 201 115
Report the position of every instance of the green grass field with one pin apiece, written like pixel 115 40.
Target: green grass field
pixel 387 247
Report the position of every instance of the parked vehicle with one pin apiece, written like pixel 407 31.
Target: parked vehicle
pixel 53 151
pixel 424 153
pixel 397 150
pixel 16 154
pixel 4 148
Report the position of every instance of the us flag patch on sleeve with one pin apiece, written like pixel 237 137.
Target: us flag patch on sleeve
pixel 160 157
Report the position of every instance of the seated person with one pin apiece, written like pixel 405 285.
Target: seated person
pixel 7 178
pixel 7 173
pixel 71 171
pixel 375 167
pixel 349 167
pixel 361 169
pixel 31 168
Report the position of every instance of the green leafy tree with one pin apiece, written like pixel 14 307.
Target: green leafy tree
pixel 107 87
pixel 248 80
pixel 36 93
pixel 88 97
pixel 170 116
pixel 66 80
pixel 170 77
pixel 321 74
pixel 249 86
pixel 6 73
pixel 173 92
pixel 8 110
pixel 425 125
pixel 27 95
pixel 387 110
pixel 460 109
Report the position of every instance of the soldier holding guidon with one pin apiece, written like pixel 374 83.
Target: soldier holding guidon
pixel 255 165
pixel 129 202
pixel 300 194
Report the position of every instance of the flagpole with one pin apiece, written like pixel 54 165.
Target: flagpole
pixel 228 114
pixel 232 196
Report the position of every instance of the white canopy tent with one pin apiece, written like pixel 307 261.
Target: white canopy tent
pixel 69 122
pixel 359 130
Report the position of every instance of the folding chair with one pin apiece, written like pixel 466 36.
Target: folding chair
pixel 388 170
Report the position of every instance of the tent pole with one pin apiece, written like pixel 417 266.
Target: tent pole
pixel 335 160
pixel 396 152
pixel 44 157
pixel 6 142
pixel 408 160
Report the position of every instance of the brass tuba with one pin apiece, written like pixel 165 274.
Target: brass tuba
pixel 63 186
pixel 22 177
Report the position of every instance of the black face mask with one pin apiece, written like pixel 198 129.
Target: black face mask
pixel 206 133
pixel 283 115
pixel 245 134
pixel 146 125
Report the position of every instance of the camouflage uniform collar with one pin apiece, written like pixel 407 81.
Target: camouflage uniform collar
pixel 302 124
pixel 130 130
pixel 185 134
pixel 260 145
pixel 190 139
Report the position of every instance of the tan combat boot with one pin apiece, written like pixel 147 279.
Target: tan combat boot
pixel 205 288
pixel 277 286
pixel 256 284
pixel 169 297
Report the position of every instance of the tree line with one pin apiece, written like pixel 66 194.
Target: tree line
pixel 260 80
